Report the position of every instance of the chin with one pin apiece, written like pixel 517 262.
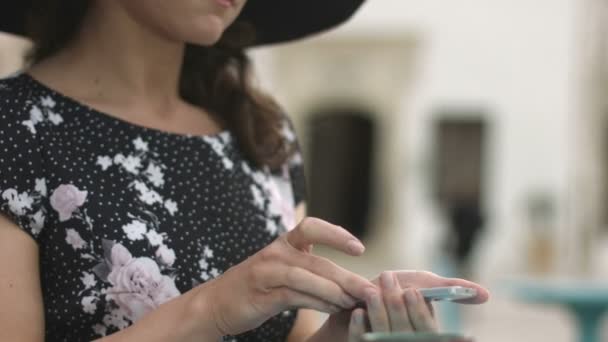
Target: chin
pixel 207 35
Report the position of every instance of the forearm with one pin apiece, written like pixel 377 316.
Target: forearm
pixel 183 319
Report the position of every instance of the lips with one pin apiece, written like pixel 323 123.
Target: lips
pixel 226 3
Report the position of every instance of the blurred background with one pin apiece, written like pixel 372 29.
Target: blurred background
pixel 469 138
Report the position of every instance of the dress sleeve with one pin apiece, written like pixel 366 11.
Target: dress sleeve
pixel 298 179
pixel 295 164
pixel 22 183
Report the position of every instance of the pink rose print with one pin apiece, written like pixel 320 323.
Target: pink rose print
pixel 120 256
pixel 73 239
pixel 165 255
pixel 138 287
pixel 66 199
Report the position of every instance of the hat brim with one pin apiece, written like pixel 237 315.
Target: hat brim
pixel 278 21
pixel 275 21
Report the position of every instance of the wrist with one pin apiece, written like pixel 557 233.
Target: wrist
pixel 200 317
pixel 334 329
pixel 322 334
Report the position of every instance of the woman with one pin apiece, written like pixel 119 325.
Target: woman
pixel 150 193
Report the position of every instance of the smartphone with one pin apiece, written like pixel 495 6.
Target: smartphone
pixel 413 337
pixel 450 293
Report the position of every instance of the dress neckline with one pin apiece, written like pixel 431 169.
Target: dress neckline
pixel 116 120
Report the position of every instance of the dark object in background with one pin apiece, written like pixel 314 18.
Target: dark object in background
pixel 341 156
pixel 459 180
pixel 466 221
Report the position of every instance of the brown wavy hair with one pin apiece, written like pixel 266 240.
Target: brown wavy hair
pixel 217 78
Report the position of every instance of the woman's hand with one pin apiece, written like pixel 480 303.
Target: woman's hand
pixel 392 309
pixel 285 275
pixel 395 306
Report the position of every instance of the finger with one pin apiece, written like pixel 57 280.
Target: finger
pixel 420 316
pixel 422 279
pixel 352 283
pixel 287 299
pixel 304 281
pixel 394 303
pixel 376 312
pixel 313 231
pixel 356 327
pixel 281 252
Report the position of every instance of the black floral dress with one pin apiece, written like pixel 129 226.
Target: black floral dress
pixel 127 217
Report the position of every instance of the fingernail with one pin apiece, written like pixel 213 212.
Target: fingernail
pixel 410 296
pixel 355 247
pixel 387 280
pixel 358 317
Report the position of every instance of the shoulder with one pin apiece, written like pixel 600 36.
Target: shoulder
pixel 21 119
pixel 14 96
pixel 21 169
pixel 25 107
pixel 13 86
pixel 19 116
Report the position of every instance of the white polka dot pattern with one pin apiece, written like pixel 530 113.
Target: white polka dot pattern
pixel 127 217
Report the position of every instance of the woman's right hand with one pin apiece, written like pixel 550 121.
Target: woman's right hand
pixel 285 275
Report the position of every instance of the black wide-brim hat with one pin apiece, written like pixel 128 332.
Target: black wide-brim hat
pixel 275 21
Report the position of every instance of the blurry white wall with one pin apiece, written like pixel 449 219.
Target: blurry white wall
pixel 521 63
pixel 537 69
pixel 11 53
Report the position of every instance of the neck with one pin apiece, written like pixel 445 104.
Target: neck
pixel 122 60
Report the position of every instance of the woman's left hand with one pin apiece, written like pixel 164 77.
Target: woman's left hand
pixel 392 309
pixel 396 307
